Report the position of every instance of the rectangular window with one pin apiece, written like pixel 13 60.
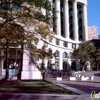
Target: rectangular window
pixel 57 41
pixel 65 44
pixel 73 46
pixel 13 63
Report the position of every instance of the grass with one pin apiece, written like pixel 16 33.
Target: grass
pixel 34 86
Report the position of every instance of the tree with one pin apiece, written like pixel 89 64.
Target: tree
pixel 97 57
pixel 24 23
pixel 85 52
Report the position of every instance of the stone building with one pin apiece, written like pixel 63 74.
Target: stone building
pixel 70 28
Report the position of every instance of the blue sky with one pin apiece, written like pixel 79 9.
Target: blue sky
pixel 93 11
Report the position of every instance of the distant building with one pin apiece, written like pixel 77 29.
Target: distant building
pixel 98 36
pixel 96 42
pixel 92 32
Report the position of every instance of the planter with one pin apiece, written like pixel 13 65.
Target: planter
pixel 72 78
pixel 59 78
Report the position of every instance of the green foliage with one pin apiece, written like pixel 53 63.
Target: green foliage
pixel 15 23
pixel 97 56
pixel 32 86
pixel 22 22
pixel 84 52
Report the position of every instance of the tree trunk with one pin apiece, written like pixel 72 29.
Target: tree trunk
pixel 7 60
pixel 7 73
pixel 97 66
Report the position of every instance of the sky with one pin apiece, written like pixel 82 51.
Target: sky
pixel 93 13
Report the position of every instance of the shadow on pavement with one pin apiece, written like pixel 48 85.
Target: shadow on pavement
pixel 85 88
pixel 97 74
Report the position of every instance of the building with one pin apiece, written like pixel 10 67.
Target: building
pixel 70 28
pixel 92 32
pixel 98 36
pixel 96 43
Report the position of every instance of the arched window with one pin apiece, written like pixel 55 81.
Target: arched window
pixel 57 53
pixel 65 57
pixel 50 51
pixel 50 57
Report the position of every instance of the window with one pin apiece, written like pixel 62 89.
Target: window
pixel 57 53
pixel 57 41
pixel 57 59
pixel 73 46
pixel 53 3
pixel 50 40
pixel 13 63
pixel 65 55
pixel 65 44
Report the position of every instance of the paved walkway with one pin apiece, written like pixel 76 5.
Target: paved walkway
pixel 84 90
pixel 86 86
pixel 11 96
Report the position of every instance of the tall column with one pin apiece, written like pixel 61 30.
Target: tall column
pixel 58 19
pixel 66 19
pixel 75 20
pixel 51 14
pixel 46 62
pixel 85 33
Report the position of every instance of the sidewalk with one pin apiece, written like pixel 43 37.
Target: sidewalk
pixel 78 87
pixel 83 88
pixel 15 96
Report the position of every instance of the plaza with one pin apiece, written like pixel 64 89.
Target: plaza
pixel 83 89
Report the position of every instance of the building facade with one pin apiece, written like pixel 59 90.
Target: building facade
pixel 92 32
pixel 70 28
pixel 98 36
